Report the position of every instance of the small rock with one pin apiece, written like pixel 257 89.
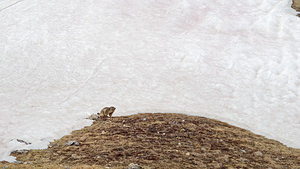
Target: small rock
pixel 93 117
pixel 21 151
pixel 195 154
pixel 244 160
pixel 27 163
pixel 99 157
pixel 134 166
pixel 84 137
pixel 22 141
pixel 76 144
pixel 182 130
pixel 53 145
pixel 258 154
pixel 187 153
pixel 75 156
pixel 215 164
pixel 225 158
pixel 70 143
pixel 229 166
pixel 4 167
pixel 144 119
pixel 17 162
pixel 244 151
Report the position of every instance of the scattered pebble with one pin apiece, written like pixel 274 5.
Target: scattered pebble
pixel 187 153
pixel 22 151
pixel 52 145
pixel 27 163
pixel 22 141
pixel 225 158
pixel 17 162
pixel 244 160
pixel 75 156
pixel 244 151
pixel 70 143
pixel 195 154
pixel 144 119
pixel 134 166
pixel 258 154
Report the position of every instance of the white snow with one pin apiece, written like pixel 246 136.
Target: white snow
pixel 61 60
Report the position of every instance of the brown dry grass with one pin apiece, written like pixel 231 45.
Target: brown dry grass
pixel 162 141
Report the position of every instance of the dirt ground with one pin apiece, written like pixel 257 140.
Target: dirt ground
pixel 161 141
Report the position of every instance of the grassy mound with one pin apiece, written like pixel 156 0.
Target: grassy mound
pixel 161 141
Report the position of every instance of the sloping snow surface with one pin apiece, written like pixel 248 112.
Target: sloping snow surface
pixel 61 60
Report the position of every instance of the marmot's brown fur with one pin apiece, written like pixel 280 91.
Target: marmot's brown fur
pixel 106 111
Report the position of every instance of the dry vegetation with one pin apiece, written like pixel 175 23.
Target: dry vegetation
pixel 161 141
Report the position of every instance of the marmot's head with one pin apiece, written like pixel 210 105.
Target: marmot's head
pixel 112 108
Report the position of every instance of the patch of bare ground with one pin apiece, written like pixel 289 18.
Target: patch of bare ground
pixel 161 140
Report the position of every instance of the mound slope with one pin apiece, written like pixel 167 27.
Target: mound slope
pixel 161 140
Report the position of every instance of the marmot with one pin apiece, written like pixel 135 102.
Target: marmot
pixel 106 111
